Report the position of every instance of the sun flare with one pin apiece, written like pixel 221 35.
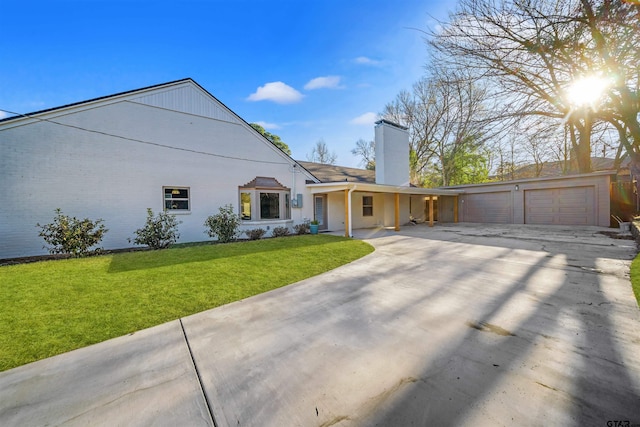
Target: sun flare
pixel 587 91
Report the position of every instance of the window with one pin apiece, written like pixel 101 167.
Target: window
pixel 269 206
pixel 264 199
pixel 367 205
pixel 245 205
pixel 176 198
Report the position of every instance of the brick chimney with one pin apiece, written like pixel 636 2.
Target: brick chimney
pixel 392 153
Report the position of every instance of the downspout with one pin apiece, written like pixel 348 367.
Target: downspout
pixel 350 230
pixel 293 192
pixel 293 181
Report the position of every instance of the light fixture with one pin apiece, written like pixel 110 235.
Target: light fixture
pixel 517 187
pixel 175 191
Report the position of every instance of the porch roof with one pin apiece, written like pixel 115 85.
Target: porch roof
pixel 329 187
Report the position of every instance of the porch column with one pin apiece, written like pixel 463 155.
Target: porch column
pixel 397 212
pixel 347 213
pixel 455 208
pixel 430 211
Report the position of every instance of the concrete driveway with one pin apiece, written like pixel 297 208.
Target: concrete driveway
pixel 462 324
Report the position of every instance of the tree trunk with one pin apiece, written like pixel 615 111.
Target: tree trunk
pixel 581 146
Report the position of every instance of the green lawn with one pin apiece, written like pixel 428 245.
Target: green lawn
pixel 51 307
pixel 635 277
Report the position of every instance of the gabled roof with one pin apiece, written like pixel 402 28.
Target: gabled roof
pixel 160 95
pixel 93 100
pixel 333 173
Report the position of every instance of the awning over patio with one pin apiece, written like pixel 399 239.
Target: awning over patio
pixel 349 187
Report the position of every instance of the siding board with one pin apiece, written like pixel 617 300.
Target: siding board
pixel 187 100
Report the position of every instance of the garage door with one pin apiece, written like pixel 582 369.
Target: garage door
pixel 488 207
pixel 564 206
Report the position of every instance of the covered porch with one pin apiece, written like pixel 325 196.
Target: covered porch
pixel 349 205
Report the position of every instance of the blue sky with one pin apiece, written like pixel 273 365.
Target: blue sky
pixel 306 70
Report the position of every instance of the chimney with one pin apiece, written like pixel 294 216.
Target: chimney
pixel 392 153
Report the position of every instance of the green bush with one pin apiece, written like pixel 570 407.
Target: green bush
pixel 224 225
pixel 70 235
pixel 159 232
pixel 255 234
pixel 280 231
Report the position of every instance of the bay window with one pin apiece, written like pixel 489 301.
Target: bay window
pixel 264 199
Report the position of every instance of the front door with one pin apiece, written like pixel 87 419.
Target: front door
pixel 320 211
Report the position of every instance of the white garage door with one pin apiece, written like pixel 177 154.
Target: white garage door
pixel 564 206
pixel 488 207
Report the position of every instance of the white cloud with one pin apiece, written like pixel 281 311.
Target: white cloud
pixel 3 114
pixel 277 92
pixel 328 82
pixel 366 119
pixel 268 125
pixel 363 60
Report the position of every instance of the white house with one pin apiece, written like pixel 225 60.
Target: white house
pixel 174 146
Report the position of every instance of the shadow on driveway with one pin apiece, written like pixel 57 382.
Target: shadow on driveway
pixel 443 326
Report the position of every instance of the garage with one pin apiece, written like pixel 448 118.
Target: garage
pixel 580 199
pixel 562 206
pixel 494 207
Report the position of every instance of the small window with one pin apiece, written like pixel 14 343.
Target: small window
pixel 176 199
pixel 367 205
pixel 245 203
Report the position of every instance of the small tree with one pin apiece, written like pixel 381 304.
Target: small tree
pixel 366 150
pixel 69 235
pixel 320 154
pixel 159 232
pixel 223 225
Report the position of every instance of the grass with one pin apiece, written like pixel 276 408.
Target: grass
pixel 51 307
pixel 635 277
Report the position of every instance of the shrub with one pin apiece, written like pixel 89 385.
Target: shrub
pixel 223 225
pixel 302 228
pixel 255 234
pixel 70 235
pixel 159 232
pixel 280 231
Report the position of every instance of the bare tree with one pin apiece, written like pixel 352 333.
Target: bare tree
pixel 365 150
pixel 444 114
pixel 320 154
pixel 534 51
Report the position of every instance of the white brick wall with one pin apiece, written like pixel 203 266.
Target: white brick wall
pixel 44 166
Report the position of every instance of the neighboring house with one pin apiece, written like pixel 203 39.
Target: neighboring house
pixel 175 147
pixel 562 168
